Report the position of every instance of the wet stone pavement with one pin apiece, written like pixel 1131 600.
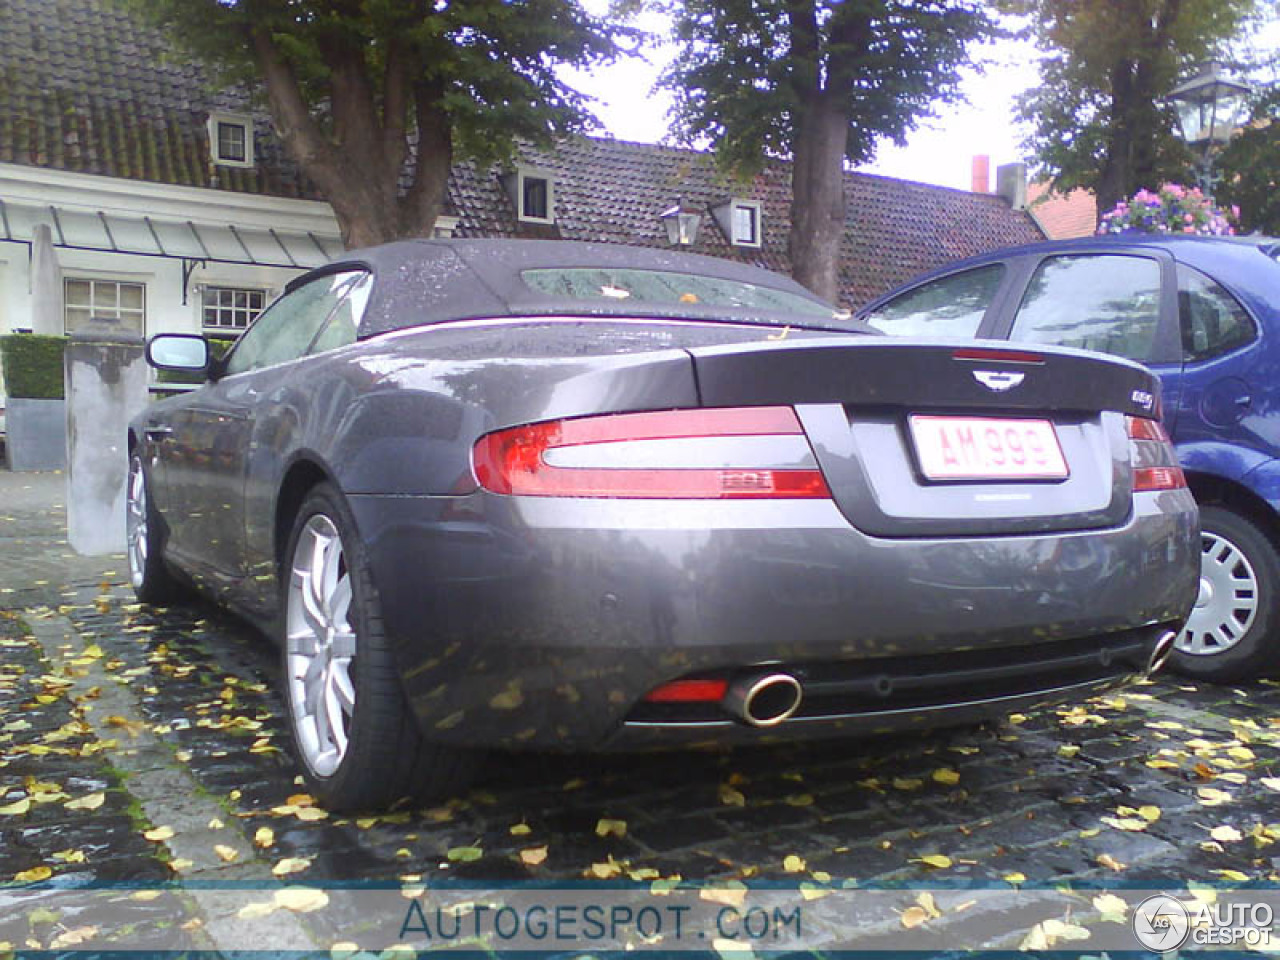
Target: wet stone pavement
pixel 139 745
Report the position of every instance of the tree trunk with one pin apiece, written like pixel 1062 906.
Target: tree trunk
pixel 358 168
pixel 818 200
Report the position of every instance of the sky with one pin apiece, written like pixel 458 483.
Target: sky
pixel 940 151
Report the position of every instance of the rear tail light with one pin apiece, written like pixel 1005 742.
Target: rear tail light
pixel 1155 464
pixel 726 453
pixel 689 691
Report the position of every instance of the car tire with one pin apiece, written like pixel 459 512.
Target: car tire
pixel 144 540
pixel 354 732
pixel 1231 634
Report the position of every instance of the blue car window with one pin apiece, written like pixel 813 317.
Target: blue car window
pixel 1109 303
pixel 1212 320
pixel 950 306
pixel 286 329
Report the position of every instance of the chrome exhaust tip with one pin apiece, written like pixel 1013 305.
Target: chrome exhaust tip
pixel 1160 652
pixel 763 700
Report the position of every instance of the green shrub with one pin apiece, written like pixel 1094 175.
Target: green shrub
pixel 218 347
pixel 32 365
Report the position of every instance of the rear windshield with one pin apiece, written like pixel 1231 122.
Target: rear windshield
pixel 666 287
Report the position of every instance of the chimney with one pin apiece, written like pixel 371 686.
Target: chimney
pixel 1011 184
pixel 981 174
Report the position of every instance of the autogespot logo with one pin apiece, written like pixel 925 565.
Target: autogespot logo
pixel 1161 923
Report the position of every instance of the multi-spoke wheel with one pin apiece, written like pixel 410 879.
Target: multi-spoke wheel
pixel 1228 636
pixel 352 727
pixel 151 581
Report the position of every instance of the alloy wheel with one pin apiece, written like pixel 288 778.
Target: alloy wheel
pixel 320 646
pixel 1228 600
pixel 135 522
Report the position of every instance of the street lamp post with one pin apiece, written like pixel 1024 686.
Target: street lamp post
pixel 1209 108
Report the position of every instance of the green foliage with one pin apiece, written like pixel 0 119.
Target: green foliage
pixel 1250 169
pixel 351 83
pixel 33 365
pixel 747 74
pixel 1097 117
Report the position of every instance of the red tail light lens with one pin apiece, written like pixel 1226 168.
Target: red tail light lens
pixel 1151 447
pixel 689 691
pixel 652 455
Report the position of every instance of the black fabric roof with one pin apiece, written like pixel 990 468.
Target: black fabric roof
pixel 430 281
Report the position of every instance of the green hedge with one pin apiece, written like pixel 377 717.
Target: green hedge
pixel 218 348
pixel 32 365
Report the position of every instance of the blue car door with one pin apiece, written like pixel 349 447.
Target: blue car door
pixel 1221 427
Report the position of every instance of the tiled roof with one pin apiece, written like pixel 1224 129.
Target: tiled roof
pixel 85 88
pixel 1063 215
pixel 613 190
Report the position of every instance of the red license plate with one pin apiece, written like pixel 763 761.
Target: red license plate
pixel 980 448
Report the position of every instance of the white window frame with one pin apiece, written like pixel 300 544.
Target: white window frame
pixel 93 281
pixel 204 288
pixel 726 215
pixel 515 183
pixel 234 119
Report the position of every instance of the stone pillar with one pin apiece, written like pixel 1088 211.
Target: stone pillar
pixel 106 378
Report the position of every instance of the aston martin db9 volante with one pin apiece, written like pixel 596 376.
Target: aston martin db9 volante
pixel 534 494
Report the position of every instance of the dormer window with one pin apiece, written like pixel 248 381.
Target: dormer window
pixel 741 222
pixel 533 192
pixel 231 139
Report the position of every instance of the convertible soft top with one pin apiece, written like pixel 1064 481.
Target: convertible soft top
pixel 437 280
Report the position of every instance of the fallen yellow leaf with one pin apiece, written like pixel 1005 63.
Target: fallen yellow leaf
pixel 226 854
pixel 253 911
pixel 290 865
pixel 935 860
pixel 533 855
pixel 1226 834
pixel 947 776
pixel 301 899
pixel 34 875
pixel 264 837
pixel 793 864
pixel 520 829
pixel 1015 879
pixel 913 917
pixel 731 797
pixel 465 854
pixel 17 808
pixel 1112 908
pixel 159 834
pixel 617 828
pixel 1234 876
pixel 1110 862
pixel 800 800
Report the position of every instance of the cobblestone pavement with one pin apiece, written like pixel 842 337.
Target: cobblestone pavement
pixel 168 720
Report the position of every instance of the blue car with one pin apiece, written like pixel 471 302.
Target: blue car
pixel 1203 313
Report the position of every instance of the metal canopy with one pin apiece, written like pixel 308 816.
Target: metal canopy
pixel 97 231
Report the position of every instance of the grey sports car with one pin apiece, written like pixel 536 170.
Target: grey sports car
pixel 538 494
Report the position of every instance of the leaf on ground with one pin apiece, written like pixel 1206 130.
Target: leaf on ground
pixel 925 899
pixel 520 830
pixel 606 870
pixel 34 875
pixel 1112 908
pixel 793 864
pixel 731 797
pixel 1271 783
pixel 159 834
pixel 532 856
pixel 811 891
pixel 907 783
pixel 1149 812
pixel 254 911
pixel 1015 879
pixel 1235 876
pixel 800 800
pixel 913 917
pixel 1068 750
pixel 302 899
pixel 464 854
pixel 311 813
pixel 1226 834
pixel 264 837
pixel 731 893
pixel 73 937
pixel 70 856
pixel 936 860
pixel 1131 824
pixel 290 865
pixel 226 854
pixel 17 808
pixel 946 776
pixel 617 828
pixel 1110 862
pixel 1213 797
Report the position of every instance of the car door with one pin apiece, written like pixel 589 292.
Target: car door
pixel 213 433
pixel 1121 302
pixel 1220 375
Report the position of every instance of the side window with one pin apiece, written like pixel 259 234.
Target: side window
pixel 951 306
pixel 285 330
pixel 1211 319
pixel 1100 302
pixel 345 321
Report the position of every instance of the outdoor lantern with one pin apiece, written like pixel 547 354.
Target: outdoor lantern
pixel 1209 108
pixel 681 223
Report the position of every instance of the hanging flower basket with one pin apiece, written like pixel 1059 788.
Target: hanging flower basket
pixel 1173 209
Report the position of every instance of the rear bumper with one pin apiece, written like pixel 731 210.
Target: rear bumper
pixel 542 622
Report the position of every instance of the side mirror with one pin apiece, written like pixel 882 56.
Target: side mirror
pixel 178 351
